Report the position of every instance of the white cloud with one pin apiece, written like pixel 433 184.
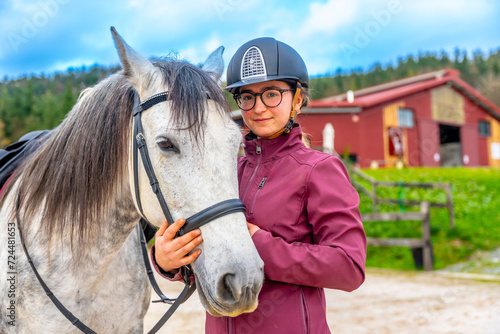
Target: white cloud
pixel 23 6
pixel 135 3
pixel 330 16
pixel 72 31
pixel 212 43
pixel 448 9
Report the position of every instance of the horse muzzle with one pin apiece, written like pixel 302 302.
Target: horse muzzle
pixel 233 295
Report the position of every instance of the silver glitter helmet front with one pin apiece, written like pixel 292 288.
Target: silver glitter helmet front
pixel 265 59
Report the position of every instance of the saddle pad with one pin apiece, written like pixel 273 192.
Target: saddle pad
pixel 13 154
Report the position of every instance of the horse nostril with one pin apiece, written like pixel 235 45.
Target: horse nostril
pixel 255 288
pixel 229 288
pixel 233 289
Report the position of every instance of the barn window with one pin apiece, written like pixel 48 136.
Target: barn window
pixel 405 118
pixel 484 129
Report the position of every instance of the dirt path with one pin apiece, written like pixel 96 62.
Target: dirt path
pixel 388 302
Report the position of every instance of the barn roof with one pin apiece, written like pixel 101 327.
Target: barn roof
pixel 374 95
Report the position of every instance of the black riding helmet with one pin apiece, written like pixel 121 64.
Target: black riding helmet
pixel 265 59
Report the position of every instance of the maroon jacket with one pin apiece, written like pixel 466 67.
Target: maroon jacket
pixel 311 235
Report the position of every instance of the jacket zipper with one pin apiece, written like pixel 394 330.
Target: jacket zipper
pixel 230 325
pixel 261 185
pixel 305 312
pixel 258 150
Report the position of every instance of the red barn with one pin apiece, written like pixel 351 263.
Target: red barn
pixel 432 119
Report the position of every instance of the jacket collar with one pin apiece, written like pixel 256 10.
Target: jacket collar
pixel 273 148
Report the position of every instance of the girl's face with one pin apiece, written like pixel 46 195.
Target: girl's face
pixel 265 121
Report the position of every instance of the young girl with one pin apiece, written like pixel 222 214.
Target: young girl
pixel 302 211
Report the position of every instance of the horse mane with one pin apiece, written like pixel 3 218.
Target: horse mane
pixel 189 86
pixel 72 178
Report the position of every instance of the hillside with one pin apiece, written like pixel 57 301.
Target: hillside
pixel 41 102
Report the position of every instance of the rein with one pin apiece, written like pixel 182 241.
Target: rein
pixel 193 222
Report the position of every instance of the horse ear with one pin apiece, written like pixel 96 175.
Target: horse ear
pixel 134 64
pixel 214 64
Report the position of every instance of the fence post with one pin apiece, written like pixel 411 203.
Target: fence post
pixel 451 210
pixel 374 190
pixel 426 235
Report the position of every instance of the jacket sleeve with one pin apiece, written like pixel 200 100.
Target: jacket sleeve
pixel 336 259
pixel 161 272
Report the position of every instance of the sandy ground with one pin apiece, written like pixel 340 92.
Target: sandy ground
pixel 388 302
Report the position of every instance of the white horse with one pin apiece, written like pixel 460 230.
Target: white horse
pixel 73 199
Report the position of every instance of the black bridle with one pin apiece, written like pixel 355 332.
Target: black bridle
pixel 193 222
pixel 198 219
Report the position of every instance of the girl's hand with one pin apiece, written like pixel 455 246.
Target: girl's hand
pixel 170 253
pixel 252 228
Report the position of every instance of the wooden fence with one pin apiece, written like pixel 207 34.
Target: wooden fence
pixel 421 247
pixel 375 184
pixel 423 243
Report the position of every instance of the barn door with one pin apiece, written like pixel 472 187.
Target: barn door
pixel 450 145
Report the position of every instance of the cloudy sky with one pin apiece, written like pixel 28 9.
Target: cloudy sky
pixel 43 36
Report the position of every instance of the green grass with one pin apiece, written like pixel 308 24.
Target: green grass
pixel 476 197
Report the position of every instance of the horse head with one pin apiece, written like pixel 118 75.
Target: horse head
pixel 193 145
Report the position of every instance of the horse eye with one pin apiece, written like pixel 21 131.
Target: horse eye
pixel 166 145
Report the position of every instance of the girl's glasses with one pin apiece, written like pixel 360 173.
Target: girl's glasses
pixel 270 97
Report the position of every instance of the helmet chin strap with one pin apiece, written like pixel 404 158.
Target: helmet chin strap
pixel 293 113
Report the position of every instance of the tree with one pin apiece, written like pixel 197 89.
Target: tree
pixel 496 68
pixel 68 99
pixel 479 62
pixel 4 96
pixel 31 103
